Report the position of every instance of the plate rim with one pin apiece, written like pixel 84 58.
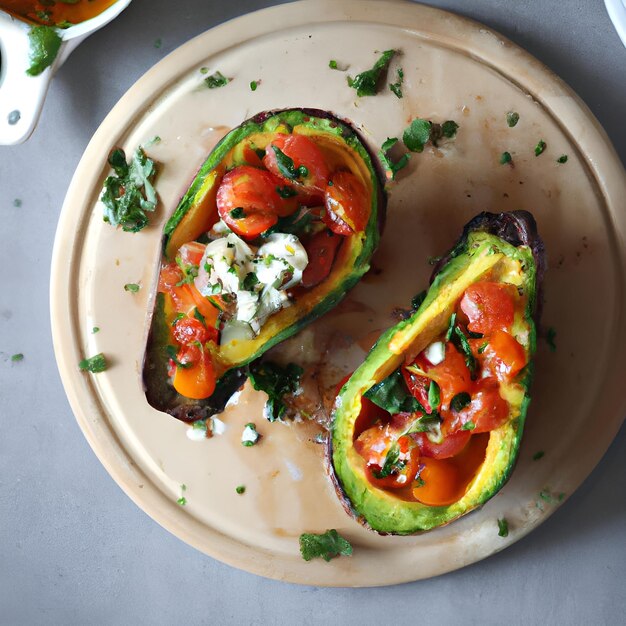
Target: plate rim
pixel 602 163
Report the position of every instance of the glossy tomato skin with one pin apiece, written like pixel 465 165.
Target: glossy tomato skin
pixel 197 381
pixel 189 330
pixel 305 153
pixel 347 204
pixel 191 253
pixel 489 306
pixel 418 386
pixel 501 355
pixel 321 250
pixel 487 410
pixel 451 445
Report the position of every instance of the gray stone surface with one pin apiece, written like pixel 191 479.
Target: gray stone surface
pixel 75 550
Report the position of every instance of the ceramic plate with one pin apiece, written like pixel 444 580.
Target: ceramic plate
pixel 454 69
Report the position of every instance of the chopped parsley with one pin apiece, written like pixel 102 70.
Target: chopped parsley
pixel 286 191
pixel 390 166
pixel 512 118
pixel 468 426
pixel 416 301
pixel 287 167
pixel 550 338
pixel 434 396
pixel 172 354
pixel 451 323
pixel 540 147
pixel 393 464
pixel 129 195
pixel 462 345
pixel 240 489
pixel 250 281
pixel 460 401
pixel 276 382
pixel 216 80
pixel 421 131
pixel 199 316
pixel 17 203
pixel 538 455
pixel 132 287
pixel 397 86
pixel 562 159
pixel 503 527
pixel 392 394
pixel 249 436
pixel 44 44
pixel 237 213
pixel 505 158
pixel 17 357
pixel 95 330
pixel 94 364
pixel 366 82
pixel 482 347
pixel 332 64
pixel 182 501
pixel 151 142
pixel 326 545
pixel 253 85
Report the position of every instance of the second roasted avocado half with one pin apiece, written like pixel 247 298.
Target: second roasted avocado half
pixel 278 224
pixel 429 427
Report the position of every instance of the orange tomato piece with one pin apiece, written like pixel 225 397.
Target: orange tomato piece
pixel 198 381
pixel 442 483
pixel 503 356
pixel 347 204
pixel 489 306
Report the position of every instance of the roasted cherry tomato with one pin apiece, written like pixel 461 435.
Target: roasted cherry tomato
pixel 489 306
pixel 418 386
pixel 440 483
pixel 309 165
pixel 347 205
pixel 189 330
pixel 487 410
pixel 198 381
pixel 248 202
pixel 191 253
pixel 321 249
pixel 451 445
pixel 501 355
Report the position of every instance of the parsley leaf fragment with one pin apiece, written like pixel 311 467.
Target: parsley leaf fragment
pixel 44 44
pixel 503 527
pixel 326 545
pixel 538 455
pixel 132 287
pixel 240 489
pixel 540 147
pixel 421 131
pixel 216 80
pixel 460 401
pixel 287 167
pixel 550 338
pixel 562 159
pixel 512 118
pixel 94 364
pixel 390 166
pixel 17 357
pixel 129 194
pixel 506 158
pixel 332 64
pixel 366 82
pixel 397 86
pixel 276 382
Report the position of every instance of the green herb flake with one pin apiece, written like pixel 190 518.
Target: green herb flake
pixel 434 396
pixel 416 301
pixel 179 316
pixel 17 203
pixel 540 147
pixel 449 129
pixel 417 135
pixel 253 85
pixel 250 281
pixel 538 455
pixel 551 338
pixel 392 167
pixel 182 501
pixel 276 382
pixel 332 64
pixel 562 159
pixel 392 464
pixel 158 42
pixel 95 330
pixel 286 192
pixel 462 344
pixel 460 401
pixel 512 118
pixel 482 347
pixel 17 357
pixel 393 395
pixel 94 364
pixel 44 44
pixel 216 80
pixel 237 213
pixel 151 142
pixel 468 426
pixel 172 354
pixel 287 167
pixel 366 83
pixel 505 158
pixel 326 545
pixel 132 287
pixel 199 316
pixel 64 24
pixel 129 194
pixel 503 527
pixel 240 489
pixel 397 86
pixel 249 436
pixel 450 330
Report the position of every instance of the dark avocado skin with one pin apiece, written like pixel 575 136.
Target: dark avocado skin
pixel 378 510
pixel 160 393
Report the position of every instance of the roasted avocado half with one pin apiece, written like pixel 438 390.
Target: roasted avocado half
pixel 278 224
pixel 429 426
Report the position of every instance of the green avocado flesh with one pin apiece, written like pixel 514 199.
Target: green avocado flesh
pixel 197 212
pixel 478 256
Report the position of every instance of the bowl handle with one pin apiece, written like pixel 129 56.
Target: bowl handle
pixel 21 95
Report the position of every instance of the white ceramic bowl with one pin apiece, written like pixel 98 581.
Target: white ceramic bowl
pixel 21 95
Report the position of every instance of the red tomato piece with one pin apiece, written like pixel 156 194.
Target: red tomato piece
pixel 347 204
pixel 304 153
pixel 418 386
pixel 489 306
pixel 451 445
pixel 168 277
pixel 503 356
pixel 191 253
pixel 487 410
pixel 321 249
pixel 189 330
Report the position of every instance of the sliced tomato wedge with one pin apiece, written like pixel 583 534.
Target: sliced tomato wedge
pixel 451 445
pixel 347 204
pixel 487 410
pixel 310 170
pixel 191 253
pixel 321 249
pixel 501 355
pixel 489 306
